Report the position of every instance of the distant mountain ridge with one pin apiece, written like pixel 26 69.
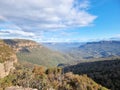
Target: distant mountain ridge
pixel 89 50
pixel 62 46
pixel 101 49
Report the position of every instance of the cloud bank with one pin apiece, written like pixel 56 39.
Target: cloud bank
pixel 40 15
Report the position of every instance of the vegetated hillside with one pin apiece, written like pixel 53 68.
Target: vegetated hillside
pixel 6 52
pixel 43 56
pixel 96 50
pixel 48 79
pixel 35 53
pixel 7 59
pixel 106 73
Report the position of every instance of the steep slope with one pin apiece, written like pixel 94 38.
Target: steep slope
pixel 48 79
pixel 106 73
pixel 96 50
pixel 7 59
pixel 33 52
pixel 20 45
pixel 43 56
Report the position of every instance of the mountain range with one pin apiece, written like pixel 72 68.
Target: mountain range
pixel 89 50
pixel 53 54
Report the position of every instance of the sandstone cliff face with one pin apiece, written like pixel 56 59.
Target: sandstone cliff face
pixel 20 45
pixel 7 59
pixel 6 67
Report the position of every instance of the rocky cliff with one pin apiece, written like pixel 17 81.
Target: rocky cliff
pixel 7 59
pixel 21 44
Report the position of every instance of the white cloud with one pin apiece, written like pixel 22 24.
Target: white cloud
pixel 7 33
pixel 115 37
pixel 85 4
pixel 118 35
pixel 46 14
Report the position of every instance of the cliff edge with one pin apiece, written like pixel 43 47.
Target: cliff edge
pixel 7 59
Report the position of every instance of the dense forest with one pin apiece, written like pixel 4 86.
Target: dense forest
pixel 106 73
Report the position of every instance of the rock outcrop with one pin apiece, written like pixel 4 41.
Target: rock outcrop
pixel 7 59
pixel 21 44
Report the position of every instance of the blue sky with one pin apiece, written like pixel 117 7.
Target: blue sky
pixel 60 20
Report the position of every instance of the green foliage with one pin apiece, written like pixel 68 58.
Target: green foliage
pixel 54 71
pixel 43 56
pixel 5 52
pixel 105 72
pixel 76 82
pixel 39 70
pixel 6 81
pixel 44 79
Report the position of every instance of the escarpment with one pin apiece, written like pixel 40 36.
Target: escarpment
pixel 21 45
pixel 7 59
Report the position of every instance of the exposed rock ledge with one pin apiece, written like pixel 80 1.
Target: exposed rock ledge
pixel 7 59
pixel 21 44
pixel 6 67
